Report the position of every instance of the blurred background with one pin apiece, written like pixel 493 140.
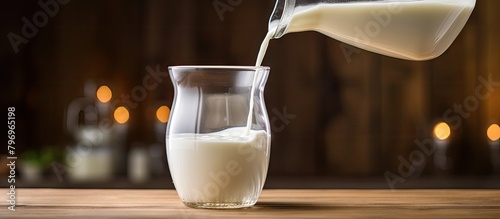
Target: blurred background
pixel 92 99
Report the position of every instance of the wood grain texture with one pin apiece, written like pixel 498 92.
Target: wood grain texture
pixel 74 203
pixel 355 115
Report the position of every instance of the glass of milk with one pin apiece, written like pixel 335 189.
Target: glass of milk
pixel 218 136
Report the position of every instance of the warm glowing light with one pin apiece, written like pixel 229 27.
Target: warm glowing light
pixel 162 113
pixel 121 115
pixel 442 131
pixel 494 132
pixel 104 94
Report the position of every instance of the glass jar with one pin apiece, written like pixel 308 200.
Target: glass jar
pixel 218 135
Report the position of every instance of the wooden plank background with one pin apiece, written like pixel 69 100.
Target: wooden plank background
pixel 352 118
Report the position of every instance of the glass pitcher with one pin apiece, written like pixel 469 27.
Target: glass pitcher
pixel 405 29
pixel 218 136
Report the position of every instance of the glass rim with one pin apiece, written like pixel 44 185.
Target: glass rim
pixel 224 67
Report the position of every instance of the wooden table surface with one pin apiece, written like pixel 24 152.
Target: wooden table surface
pixel 80 203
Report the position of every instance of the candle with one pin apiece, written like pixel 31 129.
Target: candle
pixel 441 133
pixel 493 134
pixel 162 116
pixel 138 165
pixel 121 115
pixel 103 95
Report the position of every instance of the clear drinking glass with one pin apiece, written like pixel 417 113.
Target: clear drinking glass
pixel 216 158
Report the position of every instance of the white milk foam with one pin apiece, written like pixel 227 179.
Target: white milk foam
pixel 225 166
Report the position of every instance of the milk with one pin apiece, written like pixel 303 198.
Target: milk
pixel 229 166
pixel 263 47
pixel 260 57
pixel 413 29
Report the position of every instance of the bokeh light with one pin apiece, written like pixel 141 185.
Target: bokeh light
pixel 104 94
pixel 494 132
pixel 121 115
pixel 162 113
pixel 442 131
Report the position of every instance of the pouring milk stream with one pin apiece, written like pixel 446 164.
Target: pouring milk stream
pixel 406 29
